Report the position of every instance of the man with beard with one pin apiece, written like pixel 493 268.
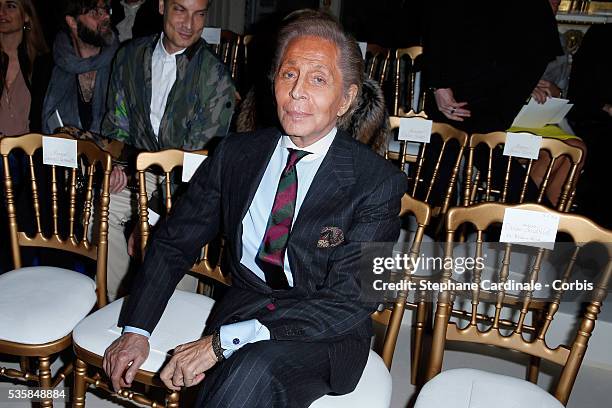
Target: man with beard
pixel 167 91
pixel 83 54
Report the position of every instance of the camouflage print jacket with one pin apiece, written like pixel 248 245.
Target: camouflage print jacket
pixel 199 106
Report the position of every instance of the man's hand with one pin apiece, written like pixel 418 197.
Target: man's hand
pixel 129 350
pixel 188 364
pixel 545 89
pixel 608 108
pixel 449 106
pixel 118 179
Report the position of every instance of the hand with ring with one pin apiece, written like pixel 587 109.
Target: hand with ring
pixel 449 106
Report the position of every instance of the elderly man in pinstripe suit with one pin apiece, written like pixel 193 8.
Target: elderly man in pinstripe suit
pixel 295 208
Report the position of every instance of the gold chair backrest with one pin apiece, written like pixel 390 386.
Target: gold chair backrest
pixel 393 318
pixel 377 62
pixel 168 161
pixel 228 50
pixel 555 147
pixel 447 135
pixel 482 216
pixel 408 82
pixel 92 161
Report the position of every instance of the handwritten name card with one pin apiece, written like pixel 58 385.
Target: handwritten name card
pixel 532 228
pixel 524 145
pixel 59 152
pixel 415 130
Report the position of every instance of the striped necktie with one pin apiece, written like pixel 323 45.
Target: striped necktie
pixel 271 254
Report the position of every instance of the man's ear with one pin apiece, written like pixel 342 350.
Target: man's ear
pixel 347 99
pixel 161 7
pixel 72 24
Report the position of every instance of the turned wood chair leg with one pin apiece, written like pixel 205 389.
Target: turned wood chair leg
pixel 44 378
pixel 80 384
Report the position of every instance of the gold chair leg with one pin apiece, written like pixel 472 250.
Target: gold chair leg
pixel 80 384
pixel 24 365
pixel 44 377
pixel 419 334
pixel 533 370
pixel 172 400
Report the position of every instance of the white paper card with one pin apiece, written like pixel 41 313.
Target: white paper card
pixel 415 130
pixel 363 46
pixel 532 228
pixel 212 35
pixel 524 145
pixel 59 152
pixel 535 115
pixel 153 217
pixel 191 162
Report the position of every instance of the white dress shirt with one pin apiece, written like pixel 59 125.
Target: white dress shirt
pixel 163 76
pixel 124 27
pixel 234 336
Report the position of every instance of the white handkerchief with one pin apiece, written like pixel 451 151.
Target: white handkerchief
pixel 532 228
pixel 191 162
pixel 59 152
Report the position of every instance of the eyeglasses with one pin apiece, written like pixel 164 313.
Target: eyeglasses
pixel 99 12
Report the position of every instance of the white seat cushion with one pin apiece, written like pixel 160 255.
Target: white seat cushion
pixel 183 321
pixel 469 388
pixel 41 304
pixel 372 391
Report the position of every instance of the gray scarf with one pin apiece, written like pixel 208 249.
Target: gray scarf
pixel 62 94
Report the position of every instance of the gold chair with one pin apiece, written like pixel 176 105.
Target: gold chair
pixel 178 325
pixel 423 188
pixel 41 305
pixel 377 62
pixel 228 50
pixel 515 332
pixel 408 94
pixel 479 187
pixel 392 318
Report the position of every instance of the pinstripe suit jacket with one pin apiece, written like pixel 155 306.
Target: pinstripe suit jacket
pixel 354 190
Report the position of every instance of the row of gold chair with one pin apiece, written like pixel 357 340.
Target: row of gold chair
pixel 91 336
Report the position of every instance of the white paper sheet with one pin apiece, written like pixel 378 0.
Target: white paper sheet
pixel 212 35
pixel 535 115
pixel 415 130
pixel 524 145
pixel 191 162
pixel 59 152
pixel 532 228
pixel 363 46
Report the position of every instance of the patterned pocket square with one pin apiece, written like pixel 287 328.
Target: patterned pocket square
pixel 330 237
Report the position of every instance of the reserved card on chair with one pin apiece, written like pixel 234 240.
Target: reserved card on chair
pixel 212 35
pixel 532 228
pixel 191 162
pixel 524 145
pixel 415 130
pixel 59 152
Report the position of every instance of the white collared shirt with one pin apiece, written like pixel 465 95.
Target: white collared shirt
pixel 256 218
pixel 124 27
pixel 163 76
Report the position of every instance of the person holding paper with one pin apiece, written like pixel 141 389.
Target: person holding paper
pixel 166 91
pixel 297 205
pixel 83 52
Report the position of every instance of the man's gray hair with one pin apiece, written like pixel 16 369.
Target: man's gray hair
pixel 313 23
